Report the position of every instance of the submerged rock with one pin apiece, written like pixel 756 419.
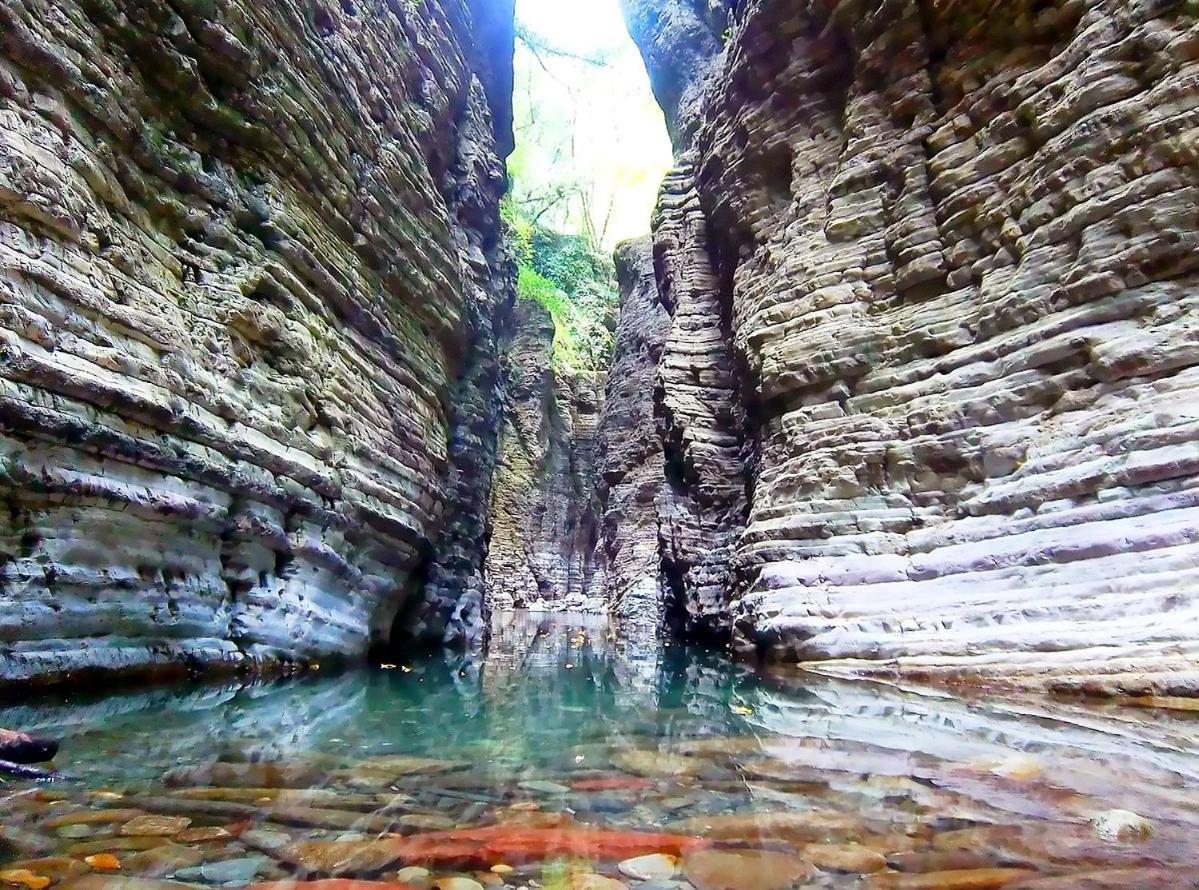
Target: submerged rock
pixel 1123 826
pixel 744 870
pixel 662 764
pixel 656 867
pixel 121 882
pixel 973 879
pixel 343 857
pixel 19 747
pixel 850 858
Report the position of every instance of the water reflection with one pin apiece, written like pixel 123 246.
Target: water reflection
pixel 561 730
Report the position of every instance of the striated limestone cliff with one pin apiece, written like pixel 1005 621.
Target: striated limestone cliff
pixel 630 468
pixel 250 276
pixel 542 548
pixel 932 374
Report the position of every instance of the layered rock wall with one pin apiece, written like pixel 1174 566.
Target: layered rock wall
pixel 630 467
pixel 249 263
pixel 542 553
pixel 950 248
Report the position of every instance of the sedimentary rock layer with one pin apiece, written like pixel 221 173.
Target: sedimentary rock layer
pixel 630 469
pixel 249 260
pixel 543 537
pixel 952 246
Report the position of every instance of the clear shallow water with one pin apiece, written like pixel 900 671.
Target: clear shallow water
pixel 573 757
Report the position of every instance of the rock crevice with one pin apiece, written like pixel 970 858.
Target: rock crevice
pixel 542 552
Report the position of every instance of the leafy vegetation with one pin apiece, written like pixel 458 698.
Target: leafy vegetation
pixel 591 150
pixel 572 280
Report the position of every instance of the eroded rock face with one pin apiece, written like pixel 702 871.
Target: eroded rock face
pixel 630 475
pixel 543 539
pixel 251 275
pixel 951 247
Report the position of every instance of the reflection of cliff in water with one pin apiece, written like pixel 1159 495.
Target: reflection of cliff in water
pixel 566 677
pixel 135 735
pixel 555 697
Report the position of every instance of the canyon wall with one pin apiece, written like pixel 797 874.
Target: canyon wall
pixel 630 472
pixel 543 541
pixel 930 394
pixel 250 283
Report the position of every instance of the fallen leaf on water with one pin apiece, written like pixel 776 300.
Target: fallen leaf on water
pixel 25 878
pixel 103 861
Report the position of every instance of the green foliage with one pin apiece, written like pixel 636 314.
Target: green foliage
pixel 572 281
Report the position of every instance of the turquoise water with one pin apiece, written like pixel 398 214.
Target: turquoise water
pixel 569 751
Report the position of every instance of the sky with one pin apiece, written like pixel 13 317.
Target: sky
pixel 596 124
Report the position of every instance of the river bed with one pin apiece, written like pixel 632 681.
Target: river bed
pixel 566 761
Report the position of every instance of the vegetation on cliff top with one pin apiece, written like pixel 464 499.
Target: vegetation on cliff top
pixel 573 281
pixel 591 149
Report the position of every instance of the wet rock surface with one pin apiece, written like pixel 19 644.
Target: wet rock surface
pixel 542 551
pixel 630 468
pixel 550 768
pixel 251 282
pixel 927 392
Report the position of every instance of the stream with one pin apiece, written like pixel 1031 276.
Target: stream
pixel 561 761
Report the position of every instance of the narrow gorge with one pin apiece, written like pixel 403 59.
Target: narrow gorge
pixel 599 445
pixel 901 385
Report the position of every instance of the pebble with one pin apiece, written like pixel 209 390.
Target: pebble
pixel 75 832
pixel 457 884
pixel 238 871
pixel 850 858
pixel 155 826
pixel 594 882
pixel 744 870
pixel 661 764
pixel 542 787
pixel 1122 826
pixel 25 878
pixel 412 874
pixel 656 867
